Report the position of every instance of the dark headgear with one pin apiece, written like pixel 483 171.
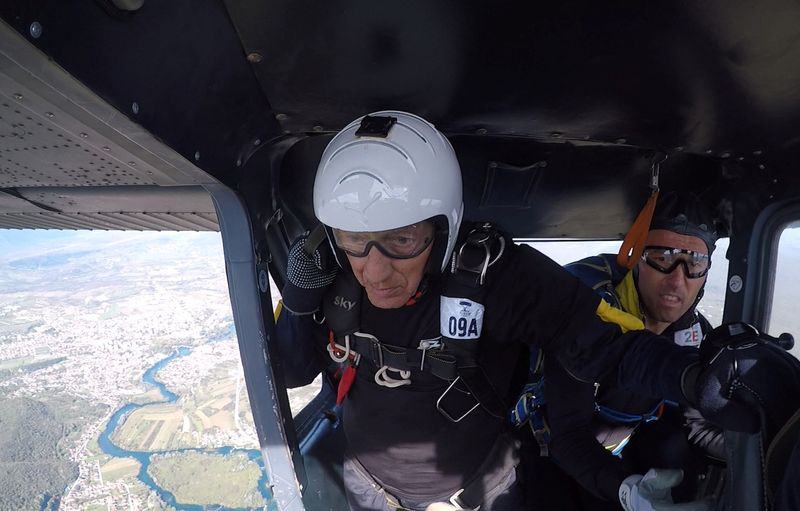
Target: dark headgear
pixel 686 214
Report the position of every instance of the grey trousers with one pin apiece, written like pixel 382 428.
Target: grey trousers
pixel 365 493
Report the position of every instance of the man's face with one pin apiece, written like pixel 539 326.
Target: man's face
pixel 667 296
pixel 389 264
pixel 389 282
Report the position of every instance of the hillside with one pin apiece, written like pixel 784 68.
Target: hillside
pixel 30 466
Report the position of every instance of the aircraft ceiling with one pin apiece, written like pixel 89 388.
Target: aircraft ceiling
pixel 148 101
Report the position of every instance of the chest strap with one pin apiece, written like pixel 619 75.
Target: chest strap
pixel 426 358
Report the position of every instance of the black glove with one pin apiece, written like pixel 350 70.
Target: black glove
pixel 745 381
pixel 311 269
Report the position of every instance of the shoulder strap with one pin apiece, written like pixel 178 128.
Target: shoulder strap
pixel 461 314
pixel 601 273
pixel 342 304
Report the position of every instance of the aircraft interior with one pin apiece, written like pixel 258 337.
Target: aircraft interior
pixel 212 115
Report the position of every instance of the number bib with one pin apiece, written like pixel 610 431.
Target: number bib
pixel 460 318
pixel 689 337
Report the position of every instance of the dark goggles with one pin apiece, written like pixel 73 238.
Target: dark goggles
pixel 666 259
pixel 402 243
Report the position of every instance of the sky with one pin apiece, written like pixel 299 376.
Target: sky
pixel 16 244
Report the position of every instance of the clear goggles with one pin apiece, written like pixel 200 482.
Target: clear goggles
pixel 401 243
pixel 666 259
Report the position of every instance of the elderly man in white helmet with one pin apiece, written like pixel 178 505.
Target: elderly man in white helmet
pixel 430 322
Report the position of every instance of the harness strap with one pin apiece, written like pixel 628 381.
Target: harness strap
pixel 530 405
pixel 618 417
pixel 434 361
pixel 461 315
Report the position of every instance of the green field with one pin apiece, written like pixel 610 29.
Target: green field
pixel 202 410
pixel 26 365
pixel 206 479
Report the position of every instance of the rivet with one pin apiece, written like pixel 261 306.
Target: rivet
pixel 481 131
pixel 679 148
pixel 317 127
pixel 757 153
pixel 254 57
pixel 135 107
pixel 84 135
pixel 106 148
pixel 725 155
pixel 36 29
pixel 556 134
pixel 257 142
pixel 709 151
pixel 775 181
pixel 49 115
pixel 132 163
pixel 197 155
pixel 741 158
pixel 18 96
pixel 238 162
pixel 281 117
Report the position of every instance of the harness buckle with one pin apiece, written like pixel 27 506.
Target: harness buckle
pixel 341 354
pixel 375 347
pixel 485 237
pixel 445 412
pixel 425 345
pixel 455 500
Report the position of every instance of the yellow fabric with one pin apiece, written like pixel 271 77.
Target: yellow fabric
pixel 278 309
pixel 629 296
pixel 625 321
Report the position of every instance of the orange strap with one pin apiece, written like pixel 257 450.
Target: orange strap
pixel 633 244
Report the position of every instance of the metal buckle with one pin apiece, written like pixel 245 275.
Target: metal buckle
pixel 455 500
pixel 479 237
pixel 425 345
pixel 376 347
pixel 445 413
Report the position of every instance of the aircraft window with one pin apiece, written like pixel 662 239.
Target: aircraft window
pixel 121 384
pixel 710 305
pixel 783 317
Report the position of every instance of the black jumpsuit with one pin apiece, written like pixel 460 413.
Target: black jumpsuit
pixel 399 435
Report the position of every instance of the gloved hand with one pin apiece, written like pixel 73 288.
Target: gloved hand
pixel 310 270
pixel 652 492
pixel 745 381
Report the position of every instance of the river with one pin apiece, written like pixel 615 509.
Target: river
pixel 143 457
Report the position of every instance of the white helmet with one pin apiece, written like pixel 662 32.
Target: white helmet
pixel 387 170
